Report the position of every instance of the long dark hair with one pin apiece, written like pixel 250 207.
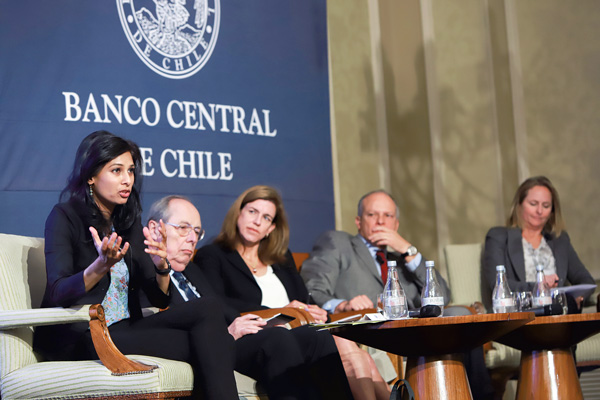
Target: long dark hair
pixel 96 150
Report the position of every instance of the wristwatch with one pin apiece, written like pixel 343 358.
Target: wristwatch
pixel 411 251
pixel 164 271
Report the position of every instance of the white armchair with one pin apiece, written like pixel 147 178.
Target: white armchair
pixel 24 375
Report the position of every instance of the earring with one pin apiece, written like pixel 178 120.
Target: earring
pixel 91 191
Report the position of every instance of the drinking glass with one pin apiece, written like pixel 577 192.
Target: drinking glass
pixel 559 297
pixel 524 301
pixel 379 303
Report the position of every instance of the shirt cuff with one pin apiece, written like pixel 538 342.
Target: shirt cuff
pixel 413 264
pixel 331 305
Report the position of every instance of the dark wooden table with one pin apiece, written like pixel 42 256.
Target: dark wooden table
pixel 548 368
pixel 434 347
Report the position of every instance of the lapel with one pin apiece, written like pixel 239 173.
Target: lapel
pixel 282 275
pixel 176 297
pixel 234 258
pixel 193 274
pixel 560 256
pixel 364 255
pixel 515 252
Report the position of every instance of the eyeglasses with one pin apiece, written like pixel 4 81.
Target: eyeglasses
pixel 185 229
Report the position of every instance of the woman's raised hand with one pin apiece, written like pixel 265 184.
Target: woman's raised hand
pixel 109 249
pixel 157 245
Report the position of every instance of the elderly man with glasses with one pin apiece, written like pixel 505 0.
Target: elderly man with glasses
pixel 271 356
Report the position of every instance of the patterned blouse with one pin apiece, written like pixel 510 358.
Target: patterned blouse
pixel 542 255
pixel 116 300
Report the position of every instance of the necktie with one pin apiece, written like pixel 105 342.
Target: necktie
pixel 382 260
pixel 184 285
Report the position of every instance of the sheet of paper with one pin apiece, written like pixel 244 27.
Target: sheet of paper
pixel 373 318
pixel 584 289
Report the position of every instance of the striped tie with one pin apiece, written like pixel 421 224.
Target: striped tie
pixel 382 260
pixel 184 285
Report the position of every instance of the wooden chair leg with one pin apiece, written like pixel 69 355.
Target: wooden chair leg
pixel 500 377
pixel 397 361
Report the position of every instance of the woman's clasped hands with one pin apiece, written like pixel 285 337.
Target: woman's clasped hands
pixel 317 312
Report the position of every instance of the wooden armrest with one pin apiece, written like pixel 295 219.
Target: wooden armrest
pixel 108 353
pixel 302 317
pixel 345 314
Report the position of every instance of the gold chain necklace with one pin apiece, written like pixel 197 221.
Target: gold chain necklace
pixel 252 267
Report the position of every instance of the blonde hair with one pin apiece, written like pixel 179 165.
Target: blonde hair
pixel 272 248
pixel 555 223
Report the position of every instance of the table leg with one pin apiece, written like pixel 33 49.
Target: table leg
pixel 438 377
pixel 548 374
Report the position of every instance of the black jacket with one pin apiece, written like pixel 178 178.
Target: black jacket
pixel 231 278
pixel 69 250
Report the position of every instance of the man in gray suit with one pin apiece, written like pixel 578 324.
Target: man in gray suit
pixel 344 272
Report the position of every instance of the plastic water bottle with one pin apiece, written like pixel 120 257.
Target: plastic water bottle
pixel 541 291
pixel 502 298
pixel 393 297
pixel 432 293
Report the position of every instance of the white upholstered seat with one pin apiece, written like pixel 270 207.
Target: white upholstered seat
pixel 23 375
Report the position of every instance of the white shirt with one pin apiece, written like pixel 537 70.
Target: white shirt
pixel 274 294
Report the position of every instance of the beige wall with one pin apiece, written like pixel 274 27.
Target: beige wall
pixel 451 104
pixel 355 145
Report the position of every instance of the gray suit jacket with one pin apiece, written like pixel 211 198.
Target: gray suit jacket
pixel 504 246
pixel 341 267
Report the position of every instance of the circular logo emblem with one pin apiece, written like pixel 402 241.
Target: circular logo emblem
pixel 172 38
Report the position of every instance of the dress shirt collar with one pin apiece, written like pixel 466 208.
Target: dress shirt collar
pixel 372 248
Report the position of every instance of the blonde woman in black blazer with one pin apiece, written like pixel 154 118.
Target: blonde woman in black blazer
pixel 252 250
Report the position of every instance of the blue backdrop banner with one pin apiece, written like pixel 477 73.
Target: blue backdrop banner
pixel 219 95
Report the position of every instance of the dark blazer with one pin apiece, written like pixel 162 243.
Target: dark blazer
pixel 504 246
pixel 197 278
pixel 69 250
pixel 234 283
pixel 341 267
pixel 231 278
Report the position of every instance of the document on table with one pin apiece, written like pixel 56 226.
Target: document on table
pixel 583 290
pixel 356 319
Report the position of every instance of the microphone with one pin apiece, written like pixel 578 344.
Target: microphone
pixel 428 311
pixel 548 309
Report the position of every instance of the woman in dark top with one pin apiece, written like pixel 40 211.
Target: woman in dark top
pixel 250 267
pixel 534 235
pixel 97 252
